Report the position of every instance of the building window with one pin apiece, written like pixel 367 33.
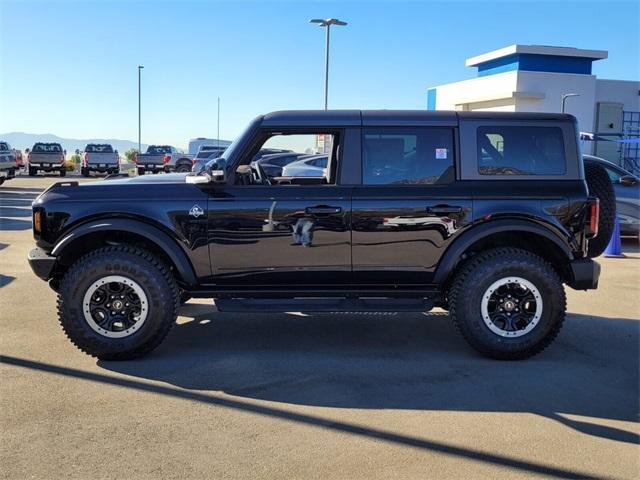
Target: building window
pixel 520 150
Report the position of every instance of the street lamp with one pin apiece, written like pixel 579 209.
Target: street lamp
pixel 140 67
pixel 567 95
pixel 327 23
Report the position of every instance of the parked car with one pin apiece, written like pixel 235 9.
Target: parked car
pixel 627 192
pixel 274 163
pixel 308 166
pixel 122 254
pixel 101 158
pixel 47 157
pixel 8 163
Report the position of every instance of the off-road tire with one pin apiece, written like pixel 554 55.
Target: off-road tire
pixel 600 186
pixel 63 173
pixel 142 171
pixel 473 279
pixel 147 271
pixel 183 168
pixel 85 172
pixel 33 171
pixel 1 180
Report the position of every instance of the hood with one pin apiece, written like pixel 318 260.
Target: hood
pixel 140 179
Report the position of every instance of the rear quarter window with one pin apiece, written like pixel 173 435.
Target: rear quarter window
pixel 520 150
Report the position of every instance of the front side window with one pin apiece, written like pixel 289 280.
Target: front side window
pixel 520 150
pixel 303 159
pixel 407 156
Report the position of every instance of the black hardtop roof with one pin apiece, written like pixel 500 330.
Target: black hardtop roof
pixel 46 143
pixel 313 118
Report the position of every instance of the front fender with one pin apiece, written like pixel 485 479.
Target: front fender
pixel 168 245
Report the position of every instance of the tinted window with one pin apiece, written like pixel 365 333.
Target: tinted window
pixel 156 150
pixel 420 156
pixel 520 150
pixel 91 148
pixel 47 147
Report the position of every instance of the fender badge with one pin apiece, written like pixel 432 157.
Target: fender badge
pixel 196 211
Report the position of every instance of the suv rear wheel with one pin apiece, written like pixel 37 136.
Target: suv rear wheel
pixel 507 303
pixel 117 303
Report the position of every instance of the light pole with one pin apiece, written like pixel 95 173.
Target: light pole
pixel 140 67
pixel 567 95
pixel 327 23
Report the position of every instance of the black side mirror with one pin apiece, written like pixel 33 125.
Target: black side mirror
pixel 217 170
pixel 628 180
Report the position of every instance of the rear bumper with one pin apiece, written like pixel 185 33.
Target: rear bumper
pixel 48 167
pixel 41 263
pixel 585 274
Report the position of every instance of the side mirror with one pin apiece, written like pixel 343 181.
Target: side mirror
pixel 65 152
pixel 116 152
pixel 628 180
pixel 215 171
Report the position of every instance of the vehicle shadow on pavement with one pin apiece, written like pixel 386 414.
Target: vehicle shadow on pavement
pixel 400 361
pixel 15 204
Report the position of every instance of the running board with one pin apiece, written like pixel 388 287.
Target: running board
pixel 245 305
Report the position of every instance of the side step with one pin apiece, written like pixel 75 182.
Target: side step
pixel 324 305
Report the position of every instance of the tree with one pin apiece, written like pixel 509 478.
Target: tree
pixel 130 154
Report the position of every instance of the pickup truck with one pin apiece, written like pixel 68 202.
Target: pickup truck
pixel 163 158
pixel 46 157
pixel 8 163
pixel 486 215
pixel 99 158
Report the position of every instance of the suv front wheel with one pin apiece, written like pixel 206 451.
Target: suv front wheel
pixel 507 303
pixel 118 303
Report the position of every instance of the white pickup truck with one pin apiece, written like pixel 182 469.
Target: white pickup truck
pixel 7 162
pixel 163 158
pixel 99 157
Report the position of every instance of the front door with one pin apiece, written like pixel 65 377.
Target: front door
pixel 284 221
pixel 408 207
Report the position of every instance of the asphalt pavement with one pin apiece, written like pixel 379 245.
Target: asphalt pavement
pixel 314 395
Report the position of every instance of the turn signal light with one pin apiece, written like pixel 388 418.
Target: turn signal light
pixel 37 221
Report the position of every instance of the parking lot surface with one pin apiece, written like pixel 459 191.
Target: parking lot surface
pixel 314 396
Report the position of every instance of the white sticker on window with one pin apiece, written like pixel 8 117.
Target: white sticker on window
pixel 441 153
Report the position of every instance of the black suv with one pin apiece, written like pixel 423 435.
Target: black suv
pixel 483 214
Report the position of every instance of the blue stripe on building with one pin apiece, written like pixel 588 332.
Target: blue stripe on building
pixel 431 99
pixel 536 63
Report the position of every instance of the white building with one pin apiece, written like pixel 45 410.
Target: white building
pixel 533 78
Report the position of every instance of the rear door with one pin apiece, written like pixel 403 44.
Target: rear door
pixel 409 206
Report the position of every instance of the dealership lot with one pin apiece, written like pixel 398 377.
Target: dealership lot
pixel 313 396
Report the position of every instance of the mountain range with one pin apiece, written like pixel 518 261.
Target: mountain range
pixel 22 140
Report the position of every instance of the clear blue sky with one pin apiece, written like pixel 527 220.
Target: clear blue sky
pixel 69 68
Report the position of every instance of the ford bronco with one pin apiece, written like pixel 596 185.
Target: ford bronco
pixel 483 214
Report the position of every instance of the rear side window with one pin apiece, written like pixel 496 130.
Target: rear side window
pixel 520 150
pixel 407 156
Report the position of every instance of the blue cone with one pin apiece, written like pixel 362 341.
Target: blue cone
pixel 614 249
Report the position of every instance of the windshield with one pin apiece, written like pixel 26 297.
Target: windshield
pixel 233 149
pixel 91 148
pixel 47 147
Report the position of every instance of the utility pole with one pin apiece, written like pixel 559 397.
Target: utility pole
pixel 218 134
pixel 140 67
